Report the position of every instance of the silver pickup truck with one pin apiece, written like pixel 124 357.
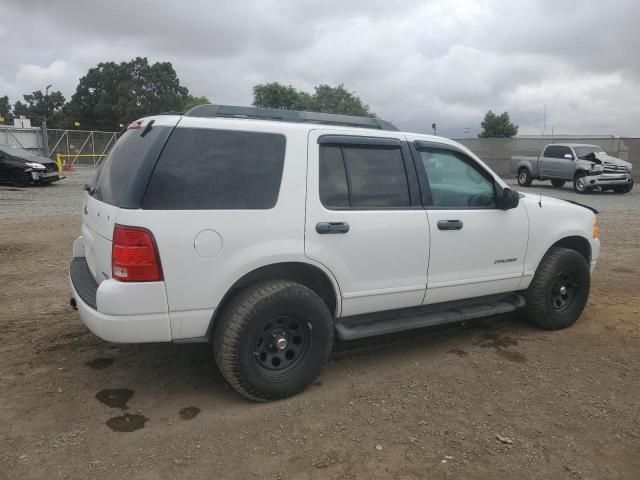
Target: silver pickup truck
pixel 587 166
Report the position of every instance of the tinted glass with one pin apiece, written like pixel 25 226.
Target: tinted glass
pixel 562 151
pixel 333 178
pixel 217 169
pixel 124 169
pixel 376 176
pixel 455 181
pixel 556 151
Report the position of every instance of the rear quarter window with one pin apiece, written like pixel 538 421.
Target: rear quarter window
pixel 123 176
pixel 205 169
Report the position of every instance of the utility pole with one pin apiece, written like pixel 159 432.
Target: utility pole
pixel 544 120
pixel 43 129
pixel 433 127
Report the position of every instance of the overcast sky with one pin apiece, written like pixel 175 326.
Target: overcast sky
pixel 413 62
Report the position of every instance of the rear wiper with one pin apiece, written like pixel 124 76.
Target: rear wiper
pixel 148 128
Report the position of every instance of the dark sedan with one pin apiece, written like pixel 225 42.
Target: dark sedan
pixel 20 167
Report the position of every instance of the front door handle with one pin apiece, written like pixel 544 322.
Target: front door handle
pixel 450 224
pixel 332 227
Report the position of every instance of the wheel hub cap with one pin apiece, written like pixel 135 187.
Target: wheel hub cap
pixel 280 343
pixel 564 291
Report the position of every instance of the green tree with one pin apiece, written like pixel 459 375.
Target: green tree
pixel 111 93
pixel 277 95
pixel 192 101
pixel 5 109
pixel 338 99
pixel 37 107
pixel 497 126
pixel 325 99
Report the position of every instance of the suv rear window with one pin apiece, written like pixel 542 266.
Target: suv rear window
pixel 204 169
pixel 124 174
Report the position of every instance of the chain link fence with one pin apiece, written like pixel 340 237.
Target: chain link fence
pixel 81 147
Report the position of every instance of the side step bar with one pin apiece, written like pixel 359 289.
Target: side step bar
pixel 382 323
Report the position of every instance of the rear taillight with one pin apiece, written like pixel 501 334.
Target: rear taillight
pixel 134 255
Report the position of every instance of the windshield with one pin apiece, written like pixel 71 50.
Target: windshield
pixel 587 149
pixel 17 152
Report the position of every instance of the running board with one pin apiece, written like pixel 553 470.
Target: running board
pixel 382 323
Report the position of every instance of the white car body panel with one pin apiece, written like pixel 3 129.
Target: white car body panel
pixel 389 259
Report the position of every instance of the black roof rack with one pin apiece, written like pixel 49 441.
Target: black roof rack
pixel 294 116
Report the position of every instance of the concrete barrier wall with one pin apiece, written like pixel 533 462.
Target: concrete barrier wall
pixel 497 152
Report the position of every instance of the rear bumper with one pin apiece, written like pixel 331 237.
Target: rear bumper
pixel 117 311
pixel 608 180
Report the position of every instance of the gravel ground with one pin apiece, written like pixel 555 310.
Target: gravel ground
pixel 491 399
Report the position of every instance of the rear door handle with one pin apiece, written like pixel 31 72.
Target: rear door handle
pixel 450 224
pixel 332 227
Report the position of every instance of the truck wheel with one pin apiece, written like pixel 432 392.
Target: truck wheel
pixel 19 178
pixel 557 183
pixel 272 340
pixel 524 177
pixel 580 184
pixel 559 290
pixel 624 188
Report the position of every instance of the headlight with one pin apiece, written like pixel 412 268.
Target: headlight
pixel 596 168
pixel 37 166
pixel 629 168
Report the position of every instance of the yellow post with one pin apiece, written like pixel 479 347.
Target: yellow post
pixel 59 161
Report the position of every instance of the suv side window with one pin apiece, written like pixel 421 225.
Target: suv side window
pixel 205 169
pixel 455 181
pixel 366 177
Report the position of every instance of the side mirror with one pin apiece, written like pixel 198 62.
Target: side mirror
pixel 568 156
pixel 509 199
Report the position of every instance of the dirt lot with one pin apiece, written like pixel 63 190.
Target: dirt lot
pixel 492 399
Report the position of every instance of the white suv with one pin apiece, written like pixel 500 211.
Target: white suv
pixel 267 232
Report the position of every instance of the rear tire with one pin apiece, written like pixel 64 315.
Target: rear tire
pixel 19 178
pixel 272 340
pixel 580 184
pixel 557 183
pixel 524 177
pixel 559 290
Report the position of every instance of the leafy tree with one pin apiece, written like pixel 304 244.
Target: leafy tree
pixel 192 101
pixel 338 99
pixel 325 99
pixel 497 126
pixel 37 106
pixel 5 109
pixel 284 97
pixel 111 93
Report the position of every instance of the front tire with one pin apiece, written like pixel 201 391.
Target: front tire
pixel 272 340
pixel 524 177
pixel 559 290
pixel 580 184
pixel 557 183
pixel 19 178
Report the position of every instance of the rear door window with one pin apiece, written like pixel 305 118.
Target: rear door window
pixel 202 169
pixel 363 177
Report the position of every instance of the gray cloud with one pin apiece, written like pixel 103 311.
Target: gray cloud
pixel 414 62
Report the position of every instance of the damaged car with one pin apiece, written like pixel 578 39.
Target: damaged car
pixel 588 167
pixel 21 167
